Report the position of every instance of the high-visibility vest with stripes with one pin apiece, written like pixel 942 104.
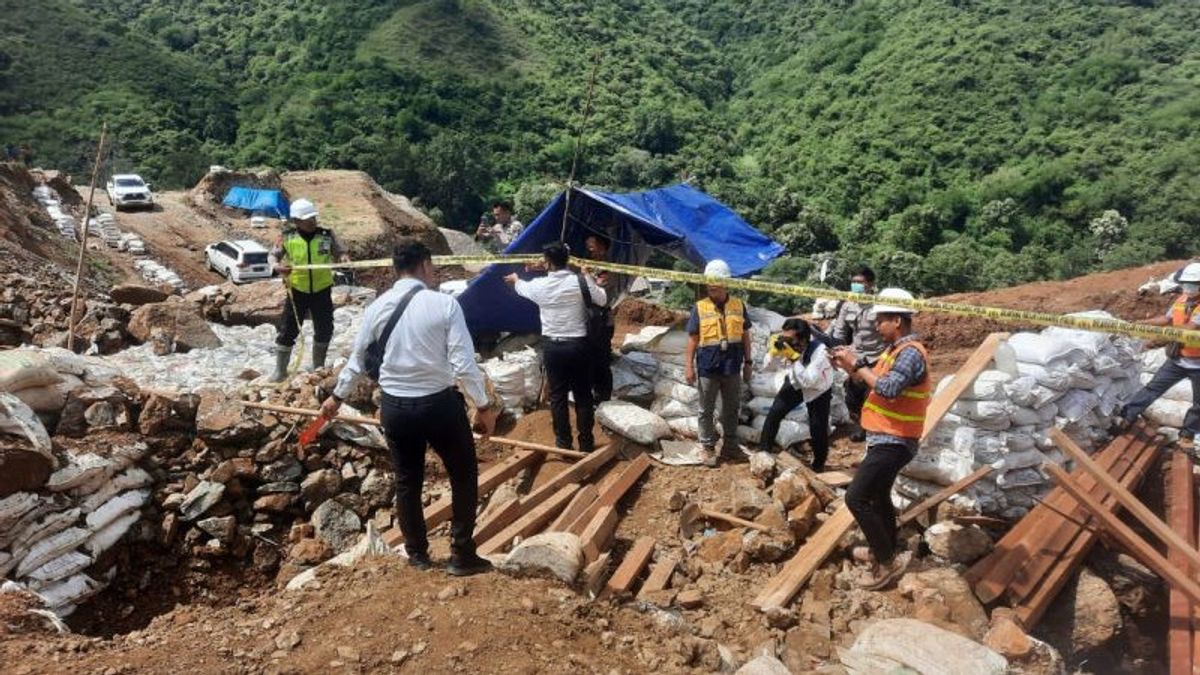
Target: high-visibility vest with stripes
pixel 716 325
pixel 315 251
pixel 1182 318
pixel 903 416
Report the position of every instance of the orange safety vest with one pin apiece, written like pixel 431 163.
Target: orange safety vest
pixel 1182 318
pixel 903 416
pixel 726 324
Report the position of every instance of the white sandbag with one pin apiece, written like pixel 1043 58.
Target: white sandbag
pixel 531 367
pixel 82 469
pixel 47 526
pixel 765 320
pixel 1079 377
pixel 674 373
pixel 61 567
pixel 20 420
pixel 642 340
pixel 1020 478
pixel 627 385
pixel 988 386
pixel 71 591
pixel 1005 359
pixel 632 422
pixel 943 467
pixel 1153 359
pixel 766 385
pixel 990 412
pixel 115 508
pixel 51 547
pixel 679 392
pixel 105 539
pixel 16 505
pixel 640 363
pixel 1055 378
pixel 1168 413
pixel 25 369
pixel 671 342
pixel 1020 460
pixel 686 427
pixel 760 405
pixel 1088 341
pixel 1025 416
pixel 1041 349
pixel 669 408
pixel 790 433
pixel 1077 403
pixel 1182 391
pixel 1025 391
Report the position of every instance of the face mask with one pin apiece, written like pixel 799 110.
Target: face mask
pixel 1191 289
pixel 856 287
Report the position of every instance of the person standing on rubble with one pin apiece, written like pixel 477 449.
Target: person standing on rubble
pixel 309 291
pixel 598 247
pixel 717 360
pixel 566 349
pixel 893 417
pixel 809 381
pixel 428 351
pixel 855 326
pixel 1183 362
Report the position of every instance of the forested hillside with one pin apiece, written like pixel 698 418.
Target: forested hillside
pixel 955 144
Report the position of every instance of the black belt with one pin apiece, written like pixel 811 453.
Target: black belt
pixel 412 400
pixel 565 339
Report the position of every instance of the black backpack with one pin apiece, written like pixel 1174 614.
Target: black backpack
pixel 373 359
pixel 596 315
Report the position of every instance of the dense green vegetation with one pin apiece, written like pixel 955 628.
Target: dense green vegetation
pixel 953 144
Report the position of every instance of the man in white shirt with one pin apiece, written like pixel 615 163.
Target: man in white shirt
pixel 809 381
pixel 565 349
pixel 428 352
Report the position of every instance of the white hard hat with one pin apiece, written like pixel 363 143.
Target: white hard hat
pixel 893 294
pixel 303 209
pixel 717 268
pixel 1189 274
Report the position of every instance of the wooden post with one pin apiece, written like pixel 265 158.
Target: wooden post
pixel 1181 509
pixel 87 215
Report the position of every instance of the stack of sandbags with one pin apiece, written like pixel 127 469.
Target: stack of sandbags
pixel 517 378
pixel 1170 410
pixel 1071 379
pixel 652 367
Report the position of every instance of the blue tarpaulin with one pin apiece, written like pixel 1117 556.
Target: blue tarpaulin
pixel 269 202
pixel 679 220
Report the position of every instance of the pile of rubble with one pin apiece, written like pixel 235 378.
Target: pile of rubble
pixel 1070 379
pixel 35 309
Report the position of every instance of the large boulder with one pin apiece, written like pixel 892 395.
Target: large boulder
pixel 222 420
pixel 165 412
pixel 637 424
pixel 1086 616
pixel 957 543
pixel 336 525
pixel 908 645
pixel 253 304
pixel 747 499
pixel 137 294
pixel 181 320
pixel 944 598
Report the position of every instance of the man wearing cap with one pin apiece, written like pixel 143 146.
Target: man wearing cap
pixel 304 243
pixel 1183 362
pixel 717 360
pixel 893 418
pixel 855 326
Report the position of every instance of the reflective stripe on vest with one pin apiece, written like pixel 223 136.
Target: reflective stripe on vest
pixel 1182 318
pixel 716 325
pixel 316 251
pixel 903 416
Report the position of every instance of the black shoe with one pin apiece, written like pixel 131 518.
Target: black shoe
pixel 467 565
pixel 420 561
pixel 858 436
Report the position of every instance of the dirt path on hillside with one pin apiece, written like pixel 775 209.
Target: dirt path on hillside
pixel 175 235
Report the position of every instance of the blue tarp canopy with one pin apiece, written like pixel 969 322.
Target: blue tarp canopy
pixel 679 220
pixel 269 202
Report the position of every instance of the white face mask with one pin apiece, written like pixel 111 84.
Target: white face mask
pixel 1191 288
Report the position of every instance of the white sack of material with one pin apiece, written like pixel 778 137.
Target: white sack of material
pixel 669 408
pixel 50 548
pixel 790 433
pixel 61 567
pixel 105 539
pixel 1044 350
pixel 679 392
pixel 115 508
pixel 1168 413
pixel 1056 377
pixel 632 422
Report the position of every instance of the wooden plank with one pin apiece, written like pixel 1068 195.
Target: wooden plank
pixel 1124 535
pixel 499 519
pixel 1181 510
pixel 781 589
pixel 597 537
pixel 593 575
pixel 949 491
pixel 532 522
pixel 628 478
pixel 784 586
pixel 1031 609
pixel 963 379
pixel 1175 543
pixel 612 488
pixel 991 575
pixel 635 561
pixel 578 472
pixel 836 478
pixel 660 576
pixel 583 499
pixel 490 479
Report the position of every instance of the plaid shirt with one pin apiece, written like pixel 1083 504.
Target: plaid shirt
pixel 908 369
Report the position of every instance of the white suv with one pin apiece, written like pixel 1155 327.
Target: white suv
pixel 127 189
pixel 239 261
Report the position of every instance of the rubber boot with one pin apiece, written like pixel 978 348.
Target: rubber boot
pixel 283 355
pixel 320 349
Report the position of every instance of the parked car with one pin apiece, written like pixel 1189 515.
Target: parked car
pixel 127 190
pixel 239 261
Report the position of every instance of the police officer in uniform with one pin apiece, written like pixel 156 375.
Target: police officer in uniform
pixel 304 243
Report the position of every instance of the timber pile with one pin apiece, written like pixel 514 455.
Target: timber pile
pixel 1183 629
pixel 1032 563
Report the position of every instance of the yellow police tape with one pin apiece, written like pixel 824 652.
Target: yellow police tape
pixel 1190 338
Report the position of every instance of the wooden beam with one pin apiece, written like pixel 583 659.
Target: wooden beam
pixel 958 486
pixel 1145 516
pixel 1181 510
pixel 583 499
pixel 629 477
pixel 598 535
pixel 497 520
pixel 532 522
pixel 836 478
pixel 635 561
pixel 963 379
pixel 593 575
pixel 784 586
pixel 578 472
pixel 1136 546
pixel 1031 609
pixel 660 576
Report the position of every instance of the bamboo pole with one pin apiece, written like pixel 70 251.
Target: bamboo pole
pixel 87 215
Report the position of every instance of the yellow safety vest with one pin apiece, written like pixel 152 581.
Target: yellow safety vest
pixel 716 325
pixel 315 251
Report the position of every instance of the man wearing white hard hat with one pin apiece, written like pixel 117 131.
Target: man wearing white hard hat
pixel 893 418
pixel 304 243
pixel 1183 361
pixel 717 360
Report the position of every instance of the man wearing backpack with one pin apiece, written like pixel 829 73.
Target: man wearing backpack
pixel 427 353
pixel 566 350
